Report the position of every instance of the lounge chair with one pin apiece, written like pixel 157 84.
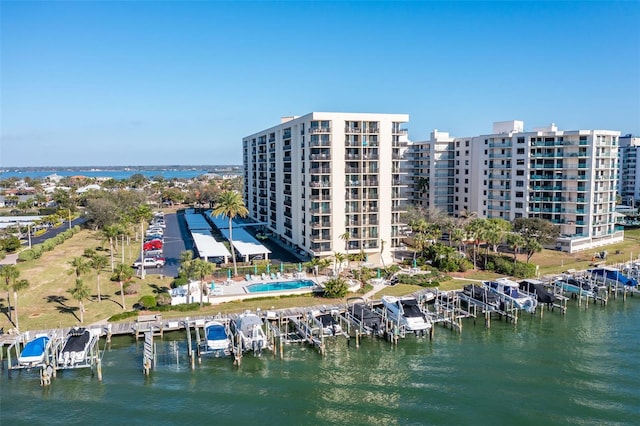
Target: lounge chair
pixel 247 277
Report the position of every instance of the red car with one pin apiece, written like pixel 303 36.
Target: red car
pixel 152 245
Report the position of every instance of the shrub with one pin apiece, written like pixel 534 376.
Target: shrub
pixel 335 288
pixel 26 255
pixel 185 307
pixel 122 315
pixel 37 251
pixel 147 302
pixel 163 299
pixel 130 289
pixel 177 282
pixel 48 245
pixel 11 243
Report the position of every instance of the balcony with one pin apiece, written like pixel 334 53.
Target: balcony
pixel 314 130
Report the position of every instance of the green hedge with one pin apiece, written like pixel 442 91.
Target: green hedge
pixel 123 315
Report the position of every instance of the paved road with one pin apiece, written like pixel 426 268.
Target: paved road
pixel 52 232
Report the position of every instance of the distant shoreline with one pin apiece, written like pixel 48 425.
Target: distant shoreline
pixel 118 172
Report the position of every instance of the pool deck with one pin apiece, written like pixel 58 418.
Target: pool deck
pixel 234 289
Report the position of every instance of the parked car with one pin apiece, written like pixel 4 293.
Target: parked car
pixel 150 262
pixel 152 245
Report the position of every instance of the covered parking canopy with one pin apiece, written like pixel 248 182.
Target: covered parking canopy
pixel 208 247
pixel 196 221
pixel 221 222
pixel 245 244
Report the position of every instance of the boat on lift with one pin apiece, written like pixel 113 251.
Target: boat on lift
pixel 217 338
pixel 327 322
pixel 362 315
pixel 249 327
pixel 577 286
pixel 35 352
pixel 509 294
pixel 481 294
pixel 537 287
pixel 612 277
pixel 76 350
pixel 406 312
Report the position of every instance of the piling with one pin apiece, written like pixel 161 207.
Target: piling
pixel 99 368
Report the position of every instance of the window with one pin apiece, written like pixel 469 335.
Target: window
pixel 520 162
pixel 466 181
pixel 520 184
pixel 519 194
pixel 466 143
pixel 520 151
pixel 520 139
pixel 519 172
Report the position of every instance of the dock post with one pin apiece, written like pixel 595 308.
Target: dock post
pixel 432 331
pixel 487 318
pixel 109 332
pixel 357 338
pixel 281 345
pixel 99 368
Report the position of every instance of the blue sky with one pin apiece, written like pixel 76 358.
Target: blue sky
pixel 161 82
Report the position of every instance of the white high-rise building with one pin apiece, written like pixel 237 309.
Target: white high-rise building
pixel 330 182
pixel 629 183
pixel 566 177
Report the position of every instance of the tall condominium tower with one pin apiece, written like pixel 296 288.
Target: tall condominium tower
pixel 566 177
pixel 629 160
pixel 330 182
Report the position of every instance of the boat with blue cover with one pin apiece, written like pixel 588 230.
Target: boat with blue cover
pixel 35 352
pixel 509 293
pixel 217 338
pixel 612 277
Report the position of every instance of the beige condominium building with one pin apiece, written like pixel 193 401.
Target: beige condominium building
pixel 330 182
pixel 566 177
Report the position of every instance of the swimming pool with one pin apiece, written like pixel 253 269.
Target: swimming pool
pixel 280 286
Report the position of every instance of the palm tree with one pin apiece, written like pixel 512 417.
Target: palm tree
pixel 110 232
pixel 17 286
pixel 98 262
pixel 515 241
pixel 338 260
pixel 79 266
pixel 346 237
pixel 382 243
pixel 123 273
pixel 475 231
pixel 202 268
pixel 79 293
pixel 10 273
pixel 230 204
pixel 186 269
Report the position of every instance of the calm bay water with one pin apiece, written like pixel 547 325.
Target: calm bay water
pixel 167 174
pixel 582 368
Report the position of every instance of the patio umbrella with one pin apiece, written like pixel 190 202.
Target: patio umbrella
pixel 229 273
pixel 299 267
pixel 268 268
pixel 415 264
pixel 281 267
pixel 255 269
pixel 378 272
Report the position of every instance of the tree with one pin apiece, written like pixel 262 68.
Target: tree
pixel 531 246
pixel 515 241
pixel 475 232
pixel 230 205
pixel 17 286
pixel 98 262
pixel 79 293
pixel 123 274
pixel 541 230
pixel 382 243
pixel 338 260
pixel 10 273
pixel 186 269
pixel 346 237
pixel 79 266
pixel 110 232
pixel 202 268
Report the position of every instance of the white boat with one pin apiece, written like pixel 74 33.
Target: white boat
pixel 405 311
pixel 326 321
pixel 218 340
pixel 34 352
pixel 77 347
pixel 508 292
pixel 249 327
